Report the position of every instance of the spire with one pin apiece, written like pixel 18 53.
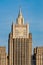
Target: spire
pixel 20 12
pixel 20 19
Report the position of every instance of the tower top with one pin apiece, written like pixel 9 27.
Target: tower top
pixel 20 19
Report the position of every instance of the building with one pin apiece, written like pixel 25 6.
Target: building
pixel 38 56
pixel 3 57
pixel 7 60
pixel 20 43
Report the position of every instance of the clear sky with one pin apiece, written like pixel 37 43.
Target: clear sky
pixel 33 14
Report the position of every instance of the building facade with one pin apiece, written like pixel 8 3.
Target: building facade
pixel 38 56
pixel 20 43
pixel 3 57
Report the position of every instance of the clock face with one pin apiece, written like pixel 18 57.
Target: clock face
pixel 20 31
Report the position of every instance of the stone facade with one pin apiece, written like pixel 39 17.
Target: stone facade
pixel 3 57
pixel 38 56
pixel 20 43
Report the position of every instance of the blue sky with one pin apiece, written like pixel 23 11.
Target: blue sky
pixel 33 14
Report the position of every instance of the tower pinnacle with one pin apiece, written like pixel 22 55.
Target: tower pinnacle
pixel 20 12
pixel 20 19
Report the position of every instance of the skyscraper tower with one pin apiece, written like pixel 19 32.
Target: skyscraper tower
pixel 20 43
